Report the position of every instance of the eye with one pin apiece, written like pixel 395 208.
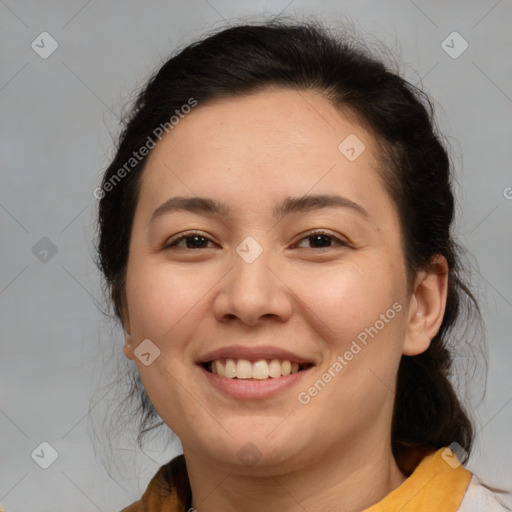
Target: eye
pixel 193 240
pixel 323 240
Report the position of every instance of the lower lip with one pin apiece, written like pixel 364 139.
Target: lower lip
pixel 252 389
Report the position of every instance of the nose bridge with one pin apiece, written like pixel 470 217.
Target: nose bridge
pixel 252 267
pixel 252 290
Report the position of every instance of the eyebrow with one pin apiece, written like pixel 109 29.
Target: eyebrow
pixel 289 206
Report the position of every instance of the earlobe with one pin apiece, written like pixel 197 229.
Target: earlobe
pixel 128 348
pixel 427 307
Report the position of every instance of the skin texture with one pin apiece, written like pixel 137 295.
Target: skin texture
pixel 251 152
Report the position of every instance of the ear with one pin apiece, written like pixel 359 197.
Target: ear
pixel 128 342
pixel 426 307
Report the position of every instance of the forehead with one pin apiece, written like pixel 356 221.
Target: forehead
pixel 285 122
pixel 250 150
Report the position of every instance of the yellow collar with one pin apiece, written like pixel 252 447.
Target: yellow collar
pixel 438 483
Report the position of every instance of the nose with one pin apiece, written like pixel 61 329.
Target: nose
pixel 253 291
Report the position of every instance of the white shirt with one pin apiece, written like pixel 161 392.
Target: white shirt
pixel 480 498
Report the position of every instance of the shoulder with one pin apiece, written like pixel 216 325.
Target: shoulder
pixel 134 507
pixel 479 497
pixel 168 490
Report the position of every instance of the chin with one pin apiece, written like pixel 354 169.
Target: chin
pixel 257 453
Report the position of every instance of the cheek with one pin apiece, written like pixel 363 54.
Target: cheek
pixel 160 297
pixel 360 322
pixel 345 298
pixel 164 304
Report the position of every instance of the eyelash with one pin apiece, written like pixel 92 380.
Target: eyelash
pixel 174 242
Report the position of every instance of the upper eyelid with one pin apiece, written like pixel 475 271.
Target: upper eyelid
pixel 186 234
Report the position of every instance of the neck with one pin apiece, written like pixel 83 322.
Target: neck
pixel 350 479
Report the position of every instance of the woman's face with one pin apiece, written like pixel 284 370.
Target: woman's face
pixel 274 269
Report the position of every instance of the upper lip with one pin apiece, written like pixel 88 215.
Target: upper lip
pixel 252 354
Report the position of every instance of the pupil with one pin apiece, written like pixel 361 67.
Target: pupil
pixel 193 242
pixel 321 239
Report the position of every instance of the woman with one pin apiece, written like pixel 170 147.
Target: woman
pixel 275 232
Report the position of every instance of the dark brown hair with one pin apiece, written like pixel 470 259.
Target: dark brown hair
pixel 416 170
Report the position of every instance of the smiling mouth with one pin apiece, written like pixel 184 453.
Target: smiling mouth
pixel 261 369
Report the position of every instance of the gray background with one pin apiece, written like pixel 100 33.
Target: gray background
pixel 57 118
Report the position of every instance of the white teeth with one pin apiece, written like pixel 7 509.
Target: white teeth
pixel 218 368
pixel 260 369
pixel 274 368
pixel 286 368
pixel 243 369
pixel 230 368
